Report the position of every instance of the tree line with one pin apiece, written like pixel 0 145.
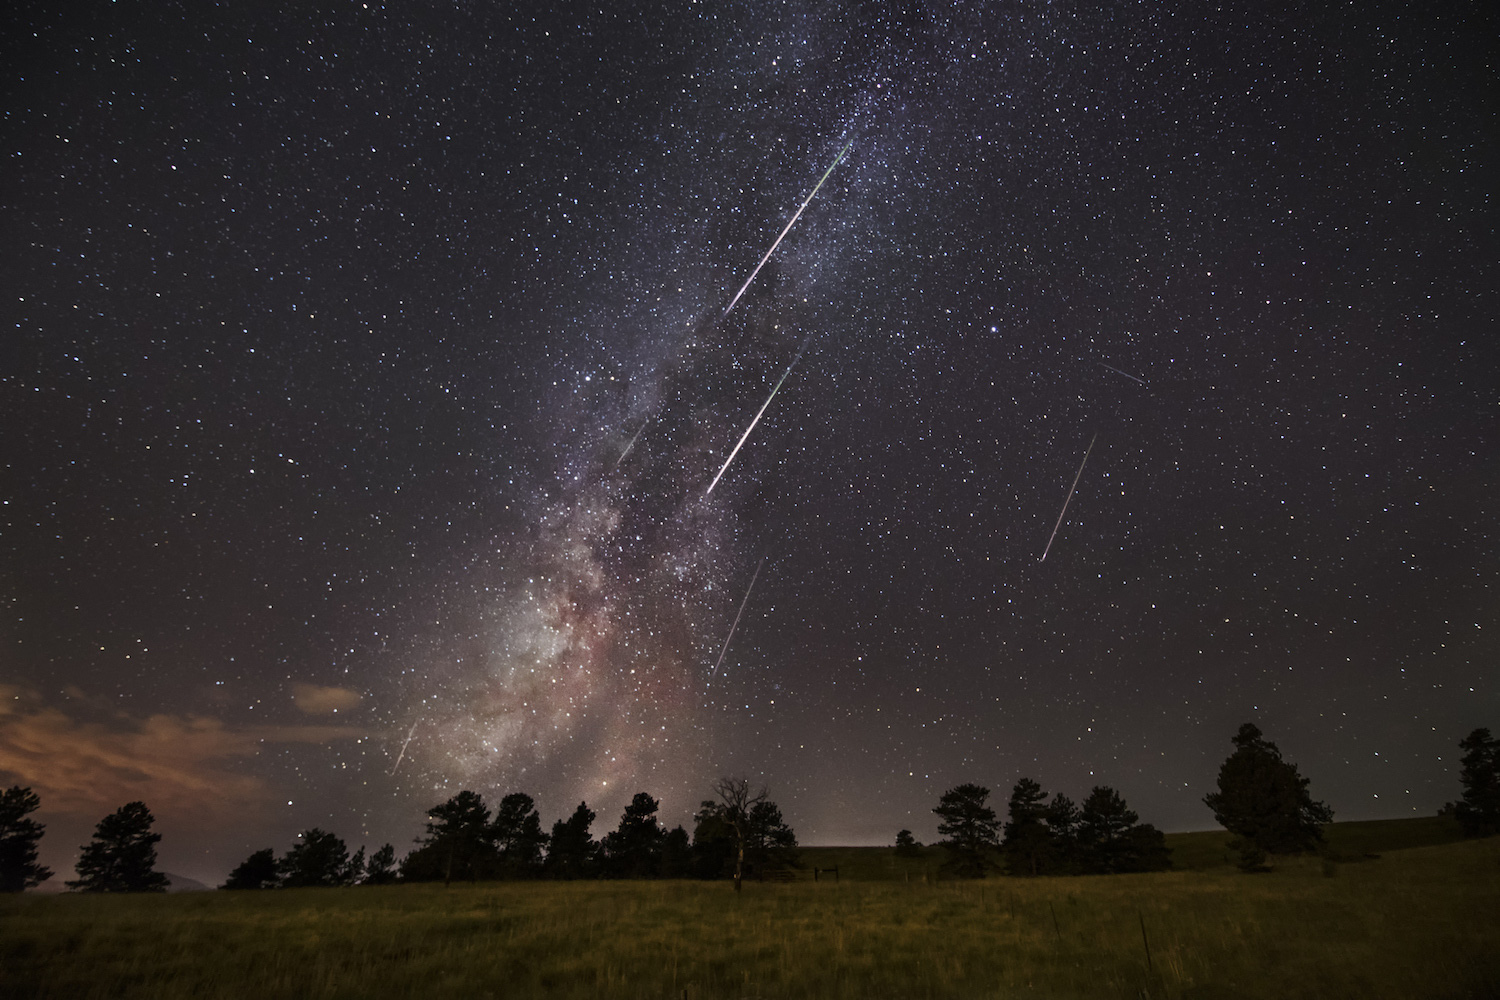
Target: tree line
pixel 1260 798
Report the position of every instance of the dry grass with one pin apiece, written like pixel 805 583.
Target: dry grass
pixel 1417 922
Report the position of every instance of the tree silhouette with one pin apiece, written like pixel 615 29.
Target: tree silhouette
pixel 676 854
pixel 734 807
pixel 633 849
pixel 258 871
pixel 1264 802
pixel 571 848
pixel 1478 812
pixel 320 859
pixel 907 846
pixel 769 842
pixel 1111 838
pixel 122 855
pixel 517 836
pixel 969 826
pixel 1028 843
pixel 457 842
pixel 18 841
pixel 1063 855
pixel 382 867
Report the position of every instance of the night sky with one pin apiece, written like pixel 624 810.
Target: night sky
pixel 366 371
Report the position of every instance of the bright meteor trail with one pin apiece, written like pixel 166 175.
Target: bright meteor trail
pixel 402 755
pixel 733 628
pixel 788 229
pixel 1126 374
pixel 745 435
pixel 1070 498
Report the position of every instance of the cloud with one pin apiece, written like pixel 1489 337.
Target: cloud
pixel 175 764
pixel 315 700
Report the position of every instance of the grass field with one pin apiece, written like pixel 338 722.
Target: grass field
pixel 1414 922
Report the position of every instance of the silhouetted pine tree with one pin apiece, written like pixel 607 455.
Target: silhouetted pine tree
pixel 18 841
pixel 1264 802
pixel 382 867
pixel 969 828
pixel 571 850
pixel 122 855
pixel 1478 812
pixel 517 837
pixel 1028 843
pixel 633 849
pixel 258 871
pixel 457 844
pixel 319 859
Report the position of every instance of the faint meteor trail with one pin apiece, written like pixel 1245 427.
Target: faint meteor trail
pixel 745 435
pixel 733 628
pixel 634 438
pixel 788 229
pixel 1070 496
pixel 1126 374
pixel 401 756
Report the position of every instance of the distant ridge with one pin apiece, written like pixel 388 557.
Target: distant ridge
pixel 57 884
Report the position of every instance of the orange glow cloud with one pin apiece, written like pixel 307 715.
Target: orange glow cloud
pixel 175 764
pixel 315 700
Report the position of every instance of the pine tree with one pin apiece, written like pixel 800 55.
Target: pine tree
pixel 571 848
pixel 1264 802
pixel 1478 812
pixel 319 859
pixel 382 867
pixel 258 871
pixel 970 827
pixel 907 846
pixel 122 855
pixel 517 836
pixel 457 844
pixel 18 841
pixel 633 849
pixel 1028 843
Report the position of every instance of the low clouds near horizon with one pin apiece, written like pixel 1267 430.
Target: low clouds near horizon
pixel 176 764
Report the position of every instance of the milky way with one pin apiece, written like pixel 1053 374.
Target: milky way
pixel 370 368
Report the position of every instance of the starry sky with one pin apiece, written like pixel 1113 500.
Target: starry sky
pixel 367 368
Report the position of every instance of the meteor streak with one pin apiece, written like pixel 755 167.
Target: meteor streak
pixel 743 601
pixel 402 754
pixel 1070 495
pixel 745 435
pixel 634 438
pixel 788 229
pixel 1126 374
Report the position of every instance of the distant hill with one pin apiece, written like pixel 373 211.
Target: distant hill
pixel 175 883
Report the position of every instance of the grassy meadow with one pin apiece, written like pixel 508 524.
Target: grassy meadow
pixel 1416 921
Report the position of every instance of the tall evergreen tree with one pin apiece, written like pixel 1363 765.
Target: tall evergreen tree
pixel 969 828
pixel 517 836
pixel 1063 853
pixel 19 836
pixel 1478 812
pixel 258 871
pixel 676 854
pixel 571 849
pixel 633 849
pixel 122 855
pixel 318 859
pixel 382 867
pixel 1028 843
pixel 1112 839
pixel 457 844
pixel 1264 802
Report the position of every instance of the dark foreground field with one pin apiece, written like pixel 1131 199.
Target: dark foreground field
pixel 1418 922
